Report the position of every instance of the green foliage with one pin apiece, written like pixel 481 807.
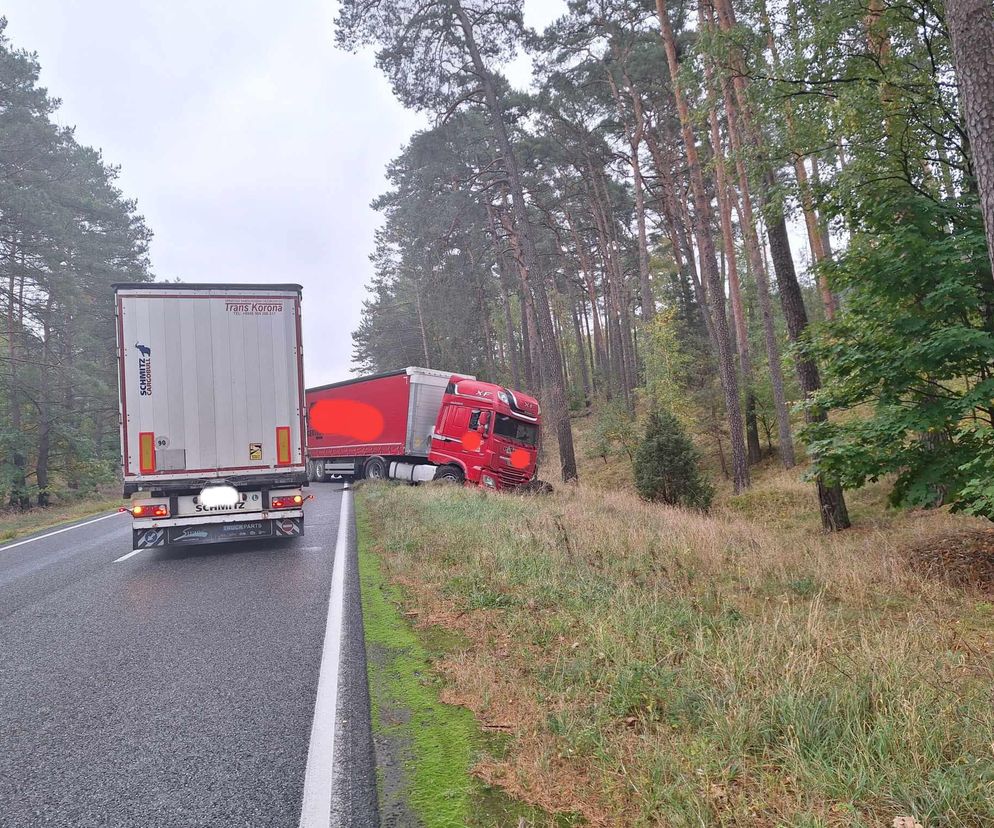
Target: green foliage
pixel 667 466
pixel 613 432
pixel 673 353
pixel 66 235
pixel 911 356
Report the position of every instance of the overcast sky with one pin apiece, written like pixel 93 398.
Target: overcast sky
pixel 252 145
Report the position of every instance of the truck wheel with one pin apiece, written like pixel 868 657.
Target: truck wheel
pixel 319 471
pixel 375 469
pixel 450 474
pixel 310 471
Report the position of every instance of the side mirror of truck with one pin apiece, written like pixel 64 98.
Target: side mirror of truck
pixel 483 426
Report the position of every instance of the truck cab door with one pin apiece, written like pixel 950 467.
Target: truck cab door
pixel 453 423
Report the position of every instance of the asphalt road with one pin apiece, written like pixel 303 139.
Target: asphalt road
pixel 179 687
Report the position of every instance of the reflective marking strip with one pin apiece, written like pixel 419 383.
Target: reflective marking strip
pixel 283 445
pixel 146 452
pixel 319 779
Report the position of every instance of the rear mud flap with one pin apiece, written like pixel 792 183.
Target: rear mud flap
pixel 289 527
pixel 147 538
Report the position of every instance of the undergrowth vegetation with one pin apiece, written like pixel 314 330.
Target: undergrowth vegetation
pixel 658 666
pixel 17 522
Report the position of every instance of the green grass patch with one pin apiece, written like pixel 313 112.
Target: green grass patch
pixel 714 670
pixel 440 742
pixel 16 524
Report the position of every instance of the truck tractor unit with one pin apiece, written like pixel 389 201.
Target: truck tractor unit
pixel 418 424
pixel 212 411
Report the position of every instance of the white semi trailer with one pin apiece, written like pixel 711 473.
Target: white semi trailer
pixel 212 411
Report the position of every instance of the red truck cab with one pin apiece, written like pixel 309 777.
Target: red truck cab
pixel 488 431
pixel 420 424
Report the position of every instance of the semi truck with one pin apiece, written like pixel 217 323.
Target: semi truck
pixel 419 424
pixel 212 411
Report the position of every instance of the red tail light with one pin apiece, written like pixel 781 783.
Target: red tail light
pixel 150 510
pixel 286 502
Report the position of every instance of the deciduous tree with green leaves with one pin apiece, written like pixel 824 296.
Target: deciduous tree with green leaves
pixel 909 360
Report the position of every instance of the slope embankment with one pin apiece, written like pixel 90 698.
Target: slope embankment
pixel 648 665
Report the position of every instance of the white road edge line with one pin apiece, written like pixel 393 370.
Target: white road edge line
pixel 315 811
pixel 127 555
pixel 59 531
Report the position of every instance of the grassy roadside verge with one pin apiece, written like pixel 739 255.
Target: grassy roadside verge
pixel 17 524
pixel 425 748
pixel 654 666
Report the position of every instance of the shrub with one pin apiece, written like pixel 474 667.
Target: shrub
pixel 613 432
pixel 667 466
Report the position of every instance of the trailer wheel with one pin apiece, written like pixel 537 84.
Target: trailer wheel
pixel 319 475
pixel 310 471
pixel 375 469
pixel 450 474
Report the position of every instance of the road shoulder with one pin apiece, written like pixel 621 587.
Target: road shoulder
pixel 18 526
pixel 425 749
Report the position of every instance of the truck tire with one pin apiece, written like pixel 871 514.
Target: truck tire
pixel 450 474
pixel 375 469
pixel 310 471
pixel 319 471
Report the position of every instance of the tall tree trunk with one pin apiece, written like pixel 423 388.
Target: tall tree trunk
pixel 832 504
pixel 615 285
pixel 709 264
pixel 826 236
pixel 614 373
pixel 588 278
pixel 755 450
pixel 590 347
pixel 816 240
pixel 635 127
pixel 581 355
pixel 488 337
pixel 44 408
pixel 683 252
pixel 757 265
pixel 971 25
pixel 18 487
pixel 556 408
pixel 834 514
pixel 530 332
pixel 512 349
pixel 526 347
pixel 421 322
pixel 645 284
pixel 506 288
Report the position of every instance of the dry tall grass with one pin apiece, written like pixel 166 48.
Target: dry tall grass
pixel 660 667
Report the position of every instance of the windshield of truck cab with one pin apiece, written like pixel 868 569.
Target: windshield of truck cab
pixel 516 429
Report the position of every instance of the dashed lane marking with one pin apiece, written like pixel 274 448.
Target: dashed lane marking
pixel 127 555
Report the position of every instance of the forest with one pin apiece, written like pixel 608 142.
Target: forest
pixel 66 234
pixel 770 220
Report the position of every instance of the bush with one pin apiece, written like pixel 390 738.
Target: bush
pixel 613 432
pixel 667 465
